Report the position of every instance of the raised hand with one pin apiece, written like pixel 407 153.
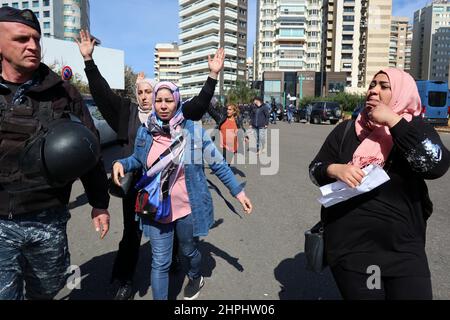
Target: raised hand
pixel 380 113
pixel 216 63
pixel 140 76
pixel 86 45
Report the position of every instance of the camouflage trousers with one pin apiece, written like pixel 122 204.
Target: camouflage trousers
pixel 34 253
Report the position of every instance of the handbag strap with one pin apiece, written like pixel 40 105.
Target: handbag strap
pixel 347 129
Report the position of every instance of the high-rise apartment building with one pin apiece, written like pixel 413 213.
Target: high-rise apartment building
pixel 61 19
pixel 167 62
pixel 206 25
pixel 249 75
pixel 431 42
pixel 398 47
pixel 408 48
pixel 288 36
pixel 76 16
pixel 356 38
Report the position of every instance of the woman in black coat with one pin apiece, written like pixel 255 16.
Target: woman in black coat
pixel 375 242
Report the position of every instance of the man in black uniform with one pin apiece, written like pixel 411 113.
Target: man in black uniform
pixel 33 210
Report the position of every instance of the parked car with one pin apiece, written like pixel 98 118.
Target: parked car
pixel 106 133
pixel 325 111
pixel 300 114
pixel 359 107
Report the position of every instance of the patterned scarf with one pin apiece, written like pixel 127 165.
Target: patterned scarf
pixel 161 177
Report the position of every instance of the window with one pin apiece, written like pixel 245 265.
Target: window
pixel 437 99
pixel 292 32
pixel 46 14
pixel 347 47
pixel 46 3
pixel 347 56
pixel 349 18
pixel 25 5
pixel 15 5
pixel 46 25
pixel 272 86
pixel 35 4
pixel 347 37
pixel 47 35
pixel 69 19
pixel 348 27
pixel 36 14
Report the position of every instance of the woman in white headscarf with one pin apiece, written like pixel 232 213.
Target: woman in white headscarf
pixel 125 118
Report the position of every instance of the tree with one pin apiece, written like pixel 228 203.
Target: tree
pixel 76 79
pixel 241 93
pixel 347 101
pixel 130 85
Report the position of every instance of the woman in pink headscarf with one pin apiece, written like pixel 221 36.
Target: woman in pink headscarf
pixel 375 242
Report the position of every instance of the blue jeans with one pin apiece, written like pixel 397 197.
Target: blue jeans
pixel 34 250
pixel 260 135
pixel 289 116
pixel 161 241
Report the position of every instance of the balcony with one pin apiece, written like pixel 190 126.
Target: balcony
pixel 200 18
pixel 233 3
pixel 185 2
pixel 190 92
pixel 210 40
pixel 196 6
pixel 197 79
pixel 279 37
pixel 231 39
pixel 231 13
pixel 194 67
pixel 229 51
pixel 230 26
pixel 201 30
pixel 199 54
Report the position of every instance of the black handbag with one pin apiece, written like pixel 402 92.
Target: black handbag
pixel 125 185
pixel 314 248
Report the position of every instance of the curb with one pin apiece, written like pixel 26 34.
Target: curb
pixel 443 129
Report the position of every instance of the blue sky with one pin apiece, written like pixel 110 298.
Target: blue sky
pixel 135 26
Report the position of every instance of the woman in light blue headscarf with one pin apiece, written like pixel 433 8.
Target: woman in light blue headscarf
pixel 171 151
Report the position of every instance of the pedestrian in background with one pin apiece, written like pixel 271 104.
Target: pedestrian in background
pixel 259 121
pixel 230 126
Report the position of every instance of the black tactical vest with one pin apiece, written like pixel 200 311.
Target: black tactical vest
pixel 20 128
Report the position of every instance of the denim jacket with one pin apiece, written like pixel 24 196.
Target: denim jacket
pixel 199 149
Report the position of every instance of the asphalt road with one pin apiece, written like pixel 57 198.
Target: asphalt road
pixel 255 257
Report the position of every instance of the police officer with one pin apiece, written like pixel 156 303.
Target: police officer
pixel 33 206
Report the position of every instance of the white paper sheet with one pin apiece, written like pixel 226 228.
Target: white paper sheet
pixel 339 191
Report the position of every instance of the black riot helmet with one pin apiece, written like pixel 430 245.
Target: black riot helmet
pixel 61 154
